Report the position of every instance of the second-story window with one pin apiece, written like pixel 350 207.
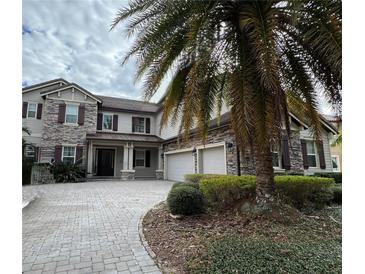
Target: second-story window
pixel 141 125
pixel 107 121
pixel 32 110
pixel 71 114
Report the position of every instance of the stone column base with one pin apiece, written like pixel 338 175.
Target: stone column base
pixel 127 174
pixel 159 174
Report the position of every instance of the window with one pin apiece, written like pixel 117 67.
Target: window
pixel 138 124
pixel 68 155
pixel 311 154
pixel 107 121
pixel 336 163
pixel 30 152
pixel 140 158
pixel 275 159
pixel 71 114
pixel 32 110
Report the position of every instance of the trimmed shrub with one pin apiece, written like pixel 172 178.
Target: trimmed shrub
pixel 224 190
pixel 196 178
pixel 337 176
pixel 185 200
pixel 194 185
pixel 306 191
pixel 337 195
pixel 65 173
pixel 302 191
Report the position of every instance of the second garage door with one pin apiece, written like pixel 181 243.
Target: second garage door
pixel 179 164
pixel 212 160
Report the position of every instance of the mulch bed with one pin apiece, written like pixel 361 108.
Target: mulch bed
pixel 176 242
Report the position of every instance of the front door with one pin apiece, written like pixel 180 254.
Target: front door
pixel 105 162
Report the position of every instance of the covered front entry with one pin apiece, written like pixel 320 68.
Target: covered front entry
pixel 105 162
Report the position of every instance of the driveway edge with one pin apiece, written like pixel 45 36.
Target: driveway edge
pixel 144 241
pixel 29 201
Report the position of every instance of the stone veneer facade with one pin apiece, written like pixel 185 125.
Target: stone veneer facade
pixel 55 133
pixel 247 161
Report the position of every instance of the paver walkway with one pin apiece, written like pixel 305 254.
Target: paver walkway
pixel 89 227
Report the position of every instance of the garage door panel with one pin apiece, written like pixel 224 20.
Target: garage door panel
pixel 213 160
pixel 179 164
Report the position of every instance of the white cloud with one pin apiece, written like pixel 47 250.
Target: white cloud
pixel 71 39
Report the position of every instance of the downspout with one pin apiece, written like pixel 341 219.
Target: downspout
pixel 238 161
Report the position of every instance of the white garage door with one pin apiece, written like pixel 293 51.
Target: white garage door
pixel 213 160
pixel 179 164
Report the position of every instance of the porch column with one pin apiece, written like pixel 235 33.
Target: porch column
pixel 159 171
pixel 125 156
pixel 130 162
pixel 90 159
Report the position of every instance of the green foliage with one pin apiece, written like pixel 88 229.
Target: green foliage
pixel 185 200
pixel 26 171
pixel 196 178
pixel 191 184
pixel 66 173
pixel 222 191
pixel 238 254
pixel 306 191
pixel 337 194
pixel 335 175
pixel 303 191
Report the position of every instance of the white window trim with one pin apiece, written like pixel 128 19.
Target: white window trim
pixel 77 114
pixel 36 110
pixel 338 169
pixel 144 158
pixel 63 149
pixel 315 153
pixel 102 122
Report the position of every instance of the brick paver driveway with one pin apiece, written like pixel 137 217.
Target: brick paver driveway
pixel 89 227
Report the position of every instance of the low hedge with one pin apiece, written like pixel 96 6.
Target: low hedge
pixel 337 176
pixel 196 178
pixel 303 191
pixel 194 185
pixel 337 195
pixel 185 200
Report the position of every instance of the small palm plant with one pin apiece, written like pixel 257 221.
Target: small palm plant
pixel 259 57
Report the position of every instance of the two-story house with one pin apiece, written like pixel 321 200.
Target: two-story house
pixel 121 138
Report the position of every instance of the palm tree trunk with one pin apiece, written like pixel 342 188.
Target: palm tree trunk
pixel 265 185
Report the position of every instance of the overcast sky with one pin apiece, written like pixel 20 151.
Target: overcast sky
pixel 71 40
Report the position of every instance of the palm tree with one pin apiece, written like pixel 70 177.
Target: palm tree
pixel 260 57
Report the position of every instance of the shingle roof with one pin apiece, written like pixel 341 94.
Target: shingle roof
pixel 123 137
pixel 54 81
pixel 127 104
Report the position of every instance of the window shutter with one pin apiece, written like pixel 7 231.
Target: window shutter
pixel 286 155
pixel 39 111
pixel 133 123
pixel 79 152
pixel 61 113
pixel 81 117
pixel 304 153
pixel 25 109
pixel 322 160
pixel 148 158
pixel 134 157
pixel 99 122
pixel 58 154
pixel 115 122
pixel 148 125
